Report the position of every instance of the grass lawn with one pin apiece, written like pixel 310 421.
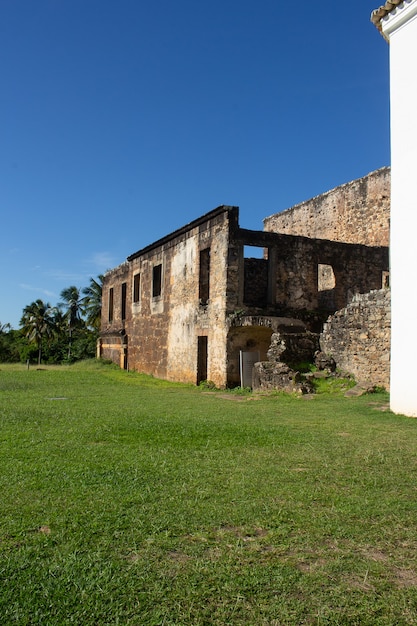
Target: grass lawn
pixel 127 500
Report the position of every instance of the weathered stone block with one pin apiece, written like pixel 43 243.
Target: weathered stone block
pixel 269 375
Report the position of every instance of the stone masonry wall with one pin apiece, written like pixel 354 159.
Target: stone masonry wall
pixel 358 338
pixel 357 212
pixel 294 273
pixel 159 330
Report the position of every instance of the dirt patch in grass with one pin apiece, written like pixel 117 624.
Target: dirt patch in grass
pixel 231 396
pixel 178 557
pixel 310 566
pixel 405 578
pixel 361 583
pixel 379 407
pixel 242 533
pixel 133 558
pixel 375 555
pixel 237 397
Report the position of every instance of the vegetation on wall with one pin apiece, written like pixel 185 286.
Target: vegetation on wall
pixel 63 333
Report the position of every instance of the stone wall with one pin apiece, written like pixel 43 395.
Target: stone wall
pixel 356 212
pixel 167 310
pixel 358 338
pixel 172 323
pixel 295 272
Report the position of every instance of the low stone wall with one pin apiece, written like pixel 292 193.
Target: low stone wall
pixel 358 338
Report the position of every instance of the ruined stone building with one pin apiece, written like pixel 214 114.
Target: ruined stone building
pixel 186 307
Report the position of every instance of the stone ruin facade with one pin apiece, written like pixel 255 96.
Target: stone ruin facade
pixel 356 338
pixel 356 212
pixel 186 307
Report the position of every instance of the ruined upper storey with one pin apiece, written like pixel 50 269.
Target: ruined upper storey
pixel 356 212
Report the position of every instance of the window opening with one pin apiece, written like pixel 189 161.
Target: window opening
pixel 136 288
pixel 124 291
pixel 156 281
pixel 204 277
pixel 111 304
pixel 326 283
pixel 326 279
pixel 255 252
pixel 255 282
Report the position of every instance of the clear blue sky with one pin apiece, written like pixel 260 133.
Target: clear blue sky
pixel 122 120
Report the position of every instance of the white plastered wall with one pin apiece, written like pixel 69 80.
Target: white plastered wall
pixel 400 28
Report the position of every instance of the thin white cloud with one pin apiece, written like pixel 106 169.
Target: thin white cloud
pixel 102 261
pixel 98 263
pixel 45 292
pixel 69 277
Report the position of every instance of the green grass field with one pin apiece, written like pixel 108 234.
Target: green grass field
pixel 127 500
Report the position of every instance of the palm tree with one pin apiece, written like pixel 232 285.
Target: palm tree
pixel 73 303
pixel 4 327
pixel 92 301
pixel 4 341
pixel 59 320
pixel 37 323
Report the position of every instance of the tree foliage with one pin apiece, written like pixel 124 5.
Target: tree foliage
pixel 63 333
pixel 8 339
pixel 37 324
pixel 92 302
pixel 73 305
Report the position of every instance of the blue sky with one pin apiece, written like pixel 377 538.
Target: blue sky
pixel 122 120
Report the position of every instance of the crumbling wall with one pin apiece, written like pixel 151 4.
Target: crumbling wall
pixel 291 344
pixel 356 212
pixel 300 273
pixel 358 338
pixel 355 269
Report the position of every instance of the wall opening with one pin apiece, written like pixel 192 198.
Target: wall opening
pixel 326 284
pixel 202 354
pixel 136 288
pixel 248 339
pixel 204 277
pixel 124 292
pixel 255 252
pixel 111 304
pixel 255 281
pixel 156 281
pixel 385 280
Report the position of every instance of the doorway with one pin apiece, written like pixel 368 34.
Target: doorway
pixel 202 352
